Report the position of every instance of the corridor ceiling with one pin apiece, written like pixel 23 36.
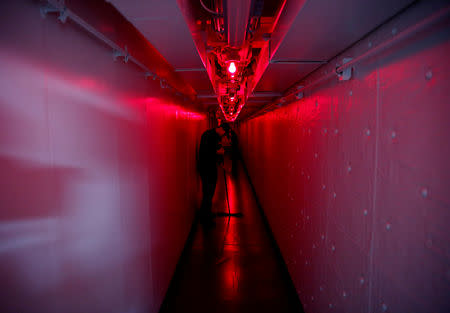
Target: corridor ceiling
pixel 308 30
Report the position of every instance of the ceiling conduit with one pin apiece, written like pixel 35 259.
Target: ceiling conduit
pixel 237 14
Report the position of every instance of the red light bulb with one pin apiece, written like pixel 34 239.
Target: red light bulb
pixel 232 68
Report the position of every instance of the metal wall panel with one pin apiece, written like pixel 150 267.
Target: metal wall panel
pixel 98 186
pixel 354 177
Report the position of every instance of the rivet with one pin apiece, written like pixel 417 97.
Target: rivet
pixel 428 75
pixel 321 288
pixel 366 212
pixel 317 103
pixel 334 195
pixel 333 248
pixel 361 280
pixel 314 245
pixel 306 262
pixel 350 93
pixel 325 130
pixel 369 44
pixel 312 298
pixel 393 134
pixel 384 307
pixel 336 131
pixel 307 217
pixel 349 168
pixel 323 237
pixel 368 132
pixel 424 192
pixel 330 305
pixel 323 187
pixel 316 155
pixel 394 31
pixel 344 294
pixel 308 177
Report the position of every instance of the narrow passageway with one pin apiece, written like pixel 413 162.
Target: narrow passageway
pixel 341 113
pixel 232 266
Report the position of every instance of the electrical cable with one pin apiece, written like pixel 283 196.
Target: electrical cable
pixel 208 9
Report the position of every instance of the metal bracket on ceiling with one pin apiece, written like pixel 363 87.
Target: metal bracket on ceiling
pixel 48 8
pixel 346 73
pixel 163 84
pixel 281 102
pixel 124 53
pixel 299 95
pixel 150 74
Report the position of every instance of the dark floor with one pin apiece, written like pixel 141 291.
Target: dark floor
pixel 232 267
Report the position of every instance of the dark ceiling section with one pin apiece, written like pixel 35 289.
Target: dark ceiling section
pixel 323 29
pixel 199 80
pixel 162 23
pixel 278 77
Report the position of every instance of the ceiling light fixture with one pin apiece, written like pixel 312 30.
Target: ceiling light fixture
pixel 232 68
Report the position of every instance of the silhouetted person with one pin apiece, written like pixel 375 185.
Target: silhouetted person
pixel 214 144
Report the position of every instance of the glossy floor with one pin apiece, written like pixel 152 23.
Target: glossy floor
pixel 233 266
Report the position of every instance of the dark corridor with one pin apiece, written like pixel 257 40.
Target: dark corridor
pixel 233 266
pixel 341 110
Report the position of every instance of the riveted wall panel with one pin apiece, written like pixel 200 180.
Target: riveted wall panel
pixel 354 177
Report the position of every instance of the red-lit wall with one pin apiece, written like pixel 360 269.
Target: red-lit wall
pixel 355 178
pixel 97 173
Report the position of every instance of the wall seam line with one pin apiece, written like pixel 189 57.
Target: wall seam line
pixel 374 192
